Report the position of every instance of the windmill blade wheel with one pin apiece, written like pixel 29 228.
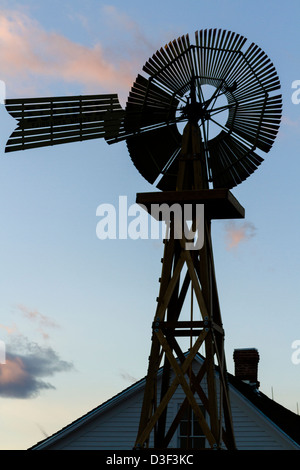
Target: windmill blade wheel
pixel 218 82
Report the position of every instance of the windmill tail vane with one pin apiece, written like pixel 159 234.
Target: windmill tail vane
pixel 193 127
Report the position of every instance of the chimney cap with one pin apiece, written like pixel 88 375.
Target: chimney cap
pixel 245 352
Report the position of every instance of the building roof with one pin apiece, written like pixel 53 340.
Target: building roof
pixel 286 420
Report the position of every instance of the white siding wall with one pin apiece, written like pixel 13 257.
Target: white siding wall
pixel 114 429
pixel 254 431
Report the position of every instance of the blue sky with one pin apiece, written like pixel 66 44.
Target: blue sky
pixel 75 311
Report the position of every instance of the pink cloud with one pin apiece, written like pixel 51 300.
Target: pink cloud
pixel 29 53
pixel 121 21
pixel 9 329
pixel 286 121
pixel 26 365
pixel 236 234
pixel 12 372
pixel 41 321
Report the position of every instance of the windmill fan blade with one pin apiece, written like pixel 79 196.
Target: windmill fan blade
pixel 148 108
pixel 177 75
pixel 231 161
pixel 169 179
pixel 52 121
pixel 257 121
pixel 157 148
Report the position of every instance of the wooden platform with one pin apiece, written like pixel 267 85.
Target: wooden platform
pixel 218 203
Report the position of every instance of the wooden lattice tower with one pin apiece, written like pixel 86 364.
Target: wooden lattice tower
pixel 191 167
pixel 204 329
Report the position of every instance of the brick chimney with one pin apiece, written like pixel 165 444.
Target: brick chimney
pixel 246 365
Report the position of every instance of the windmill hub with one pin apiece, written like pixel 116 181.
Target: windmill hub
pixel 194 112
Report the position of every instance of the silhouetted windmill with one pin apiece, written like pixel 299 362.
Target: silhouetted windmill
pixel 223 96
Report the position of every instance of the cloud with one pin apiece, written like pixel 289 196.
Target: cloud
pixel 33 59
pixel 27 364
pixel 28 49
pixel 118 20
pixel 236 234
pixel 42 321
pixel 44 433
pixel 9 329
pixel 128 377
pixel 287 121
pixel 38 321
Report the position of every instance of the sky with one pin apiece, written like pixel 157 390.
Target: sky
pixel 76 311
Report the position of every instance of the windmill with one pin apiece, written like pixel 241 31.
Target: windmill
pixel 193 127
